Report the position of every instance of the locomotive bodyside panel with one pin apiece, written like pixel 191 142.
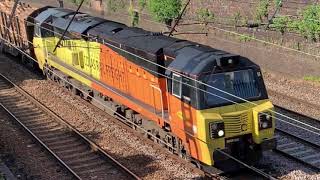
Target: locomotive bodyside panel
pixel 134 80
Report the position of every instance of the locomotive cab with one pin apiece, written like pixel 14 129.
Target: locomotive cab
pixel 223 102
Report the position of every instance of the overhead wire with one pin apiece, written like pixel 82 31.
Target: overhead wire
pixel 247 36
pixel 229 94
pixel 87 93
pixel 238 34
pixel 122 118
pixel 150 134
pixel 171 70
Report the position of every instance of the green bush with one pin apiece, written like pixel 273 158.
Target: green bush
pixel 308 25
pixel 262 10
pixel 237 19
pixel 164 10
pixel 205 15
pixel 278 3
pixel 134 16
pixel 142 4
pixel 245 38
pixel 312 78
pixel 281 24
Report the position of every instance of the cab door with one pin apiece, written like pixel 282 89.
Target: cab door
pixel 38 44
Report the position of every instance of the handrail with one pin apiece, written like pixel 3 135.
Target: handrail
pixel 162 109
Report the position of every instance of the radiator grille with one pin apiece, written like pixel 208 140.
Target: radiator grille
pixel 236 124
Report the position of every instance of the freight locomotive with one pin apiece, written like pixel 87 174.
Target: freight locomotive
pixel 195 98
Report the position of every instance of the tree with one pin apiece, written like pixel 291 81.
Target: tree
pixel 309 25
pixel 164 10
pixel 281 24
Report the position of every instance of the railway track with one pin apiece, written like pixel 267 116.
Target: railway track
pixel 81 157
pixel 298 146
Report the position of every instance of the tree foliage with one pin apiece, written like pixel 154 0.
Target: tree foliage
pixel 262 10
pixel 278 3
pixel 134 15
pixel 205 15
pixel 142 4
pixel 281 23
pixel 164 10
pixel 308 24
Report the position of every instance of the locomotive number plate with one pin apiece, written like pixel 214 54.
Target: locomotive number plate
pixel 232 140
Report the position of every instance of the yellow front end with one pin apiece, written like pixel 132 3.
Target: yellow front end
pixel 239 120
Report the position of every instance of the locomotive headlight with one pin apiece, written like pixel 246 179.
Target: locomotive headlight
pixel 221 133
pixel 265 120
pixel 264 125
pixel 216 130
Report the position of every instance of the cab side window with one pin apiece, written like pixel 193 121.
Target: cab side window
pixel 37 31
pixel 176 85
pixel 186 89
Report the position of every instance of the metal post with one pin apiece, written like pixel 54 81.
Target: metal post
pixel 180 16
pixel 274 14
pixel 13 12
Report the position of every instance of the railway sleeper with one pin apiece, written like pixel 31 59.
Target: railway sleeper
pixel 83 160
pixel 30 116
pixel 24 109
pixel 311 157
pixel 40 123
pixel 74 144
pixel 70 157
pixel 48 129
pixel 99 170
pixel 77 150
pixel 6 91
pixel 53 131
pixel 301 153
pixel 30 112
pixel 17 104
pixel 63 142
pixel 89 165
pixel 316 162
pixel 36 120
pixel 10 97
pixel 55 137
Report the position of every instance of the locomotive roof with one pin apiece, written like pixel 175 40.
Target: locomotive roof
pixel 189 57
pixel 136 38
pixel 56 12
pixel 60 18
pixel 80 24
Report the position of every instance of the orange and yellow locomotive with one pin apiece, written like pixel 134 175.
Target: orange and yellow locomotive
pixel 195 98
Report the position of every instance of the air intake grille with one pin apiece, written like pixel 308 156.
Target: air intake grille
pixel 236 124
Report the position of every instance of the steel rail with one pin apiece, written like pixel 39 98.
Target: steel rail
pixel 305 143
pixel 300 160
pixel 252 168
pixel 91 144
pixel 244 100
